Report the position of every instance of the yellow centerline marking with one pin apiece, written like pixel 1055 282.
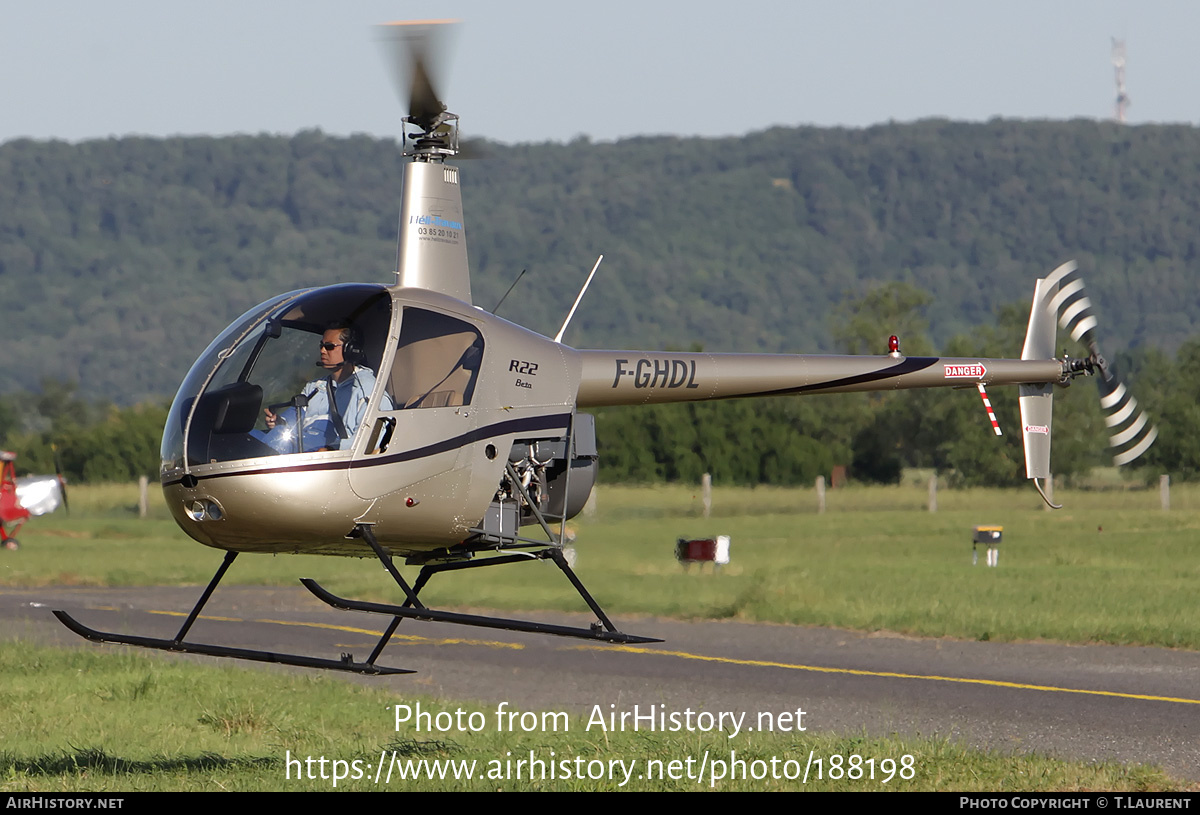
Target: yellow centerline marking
pixel 410 638
pixel 996 683
pixel 758 663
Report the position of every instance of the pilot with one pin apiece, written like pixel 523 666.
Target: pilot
pixel 351 382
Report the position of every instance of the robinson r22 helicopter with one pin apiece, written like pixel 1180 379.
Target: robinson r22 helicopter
pixel 468 428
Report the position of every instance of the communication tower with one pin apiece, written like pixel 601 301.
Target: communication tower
pixel 1118 61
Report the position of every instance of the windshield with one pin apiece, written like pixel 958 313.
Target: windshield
pixel 294 375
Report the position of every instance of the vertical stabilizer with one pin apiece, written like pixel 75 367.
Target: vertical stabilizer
pixel 431 250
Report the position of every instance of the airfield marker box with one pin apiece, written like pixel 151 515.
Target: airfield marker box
pixel 703 550
pixel 990 535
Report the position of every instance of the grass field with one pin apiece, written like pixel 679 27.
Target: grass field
pixel 1110 567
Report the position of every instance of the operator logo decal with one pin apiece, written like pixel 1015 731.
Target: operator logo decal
pixel 436 228
pixel 434 221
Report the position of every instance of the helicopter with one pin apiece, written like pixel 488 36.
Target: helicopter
pixel 453 439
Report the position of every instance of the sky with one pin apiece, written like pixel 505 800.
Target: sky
pixel 535 71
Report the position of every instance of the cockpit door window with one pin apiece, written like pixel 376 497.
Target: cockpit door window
pixel 437 361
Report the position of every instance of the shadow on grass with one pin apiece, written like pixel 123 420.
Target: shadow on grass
pixel 432 747
pixel 98 760
pixel 751 597
pixel 92 759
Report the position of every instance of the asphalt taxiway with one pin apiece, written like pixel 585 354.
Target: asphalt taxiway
pixel 1092 703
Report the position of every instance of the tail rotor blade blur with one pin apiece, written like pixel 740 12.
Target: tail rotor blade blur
pixel 1130 431
pixel 1128 424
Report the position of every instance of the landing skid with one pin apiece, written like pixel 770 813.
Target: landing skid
pixel 346 663
pixel 178 645
pixel 412 608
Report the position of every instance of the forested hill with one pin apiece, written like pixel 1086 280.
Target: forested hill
pixel 121 259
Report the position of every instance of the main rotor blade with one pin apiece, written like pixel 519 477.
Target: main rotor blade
pixel 413 51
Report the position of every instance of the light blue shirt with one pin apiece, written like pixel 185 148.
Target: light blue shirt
pixel 351 397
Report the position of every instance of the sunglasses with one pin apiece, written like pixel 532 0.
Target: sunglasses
pixel 329 346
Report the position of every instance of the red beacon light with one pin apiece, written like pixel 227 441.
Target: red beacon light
pixel 894 346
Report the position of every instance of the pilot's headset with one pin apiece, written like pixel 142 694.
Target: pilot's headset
pixel 352 342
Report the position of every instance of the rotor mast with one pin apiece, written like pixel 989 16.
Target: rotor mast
pixel 432 144
pixel 431 243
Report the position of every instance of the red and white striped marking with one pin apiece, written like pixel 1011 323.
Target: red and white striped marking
pixel 987 403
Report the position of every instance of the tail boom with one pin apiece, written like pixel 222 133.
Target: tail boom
pixel 643 377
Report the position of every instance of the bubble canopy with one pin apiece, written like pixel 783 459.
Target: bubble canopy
pixel 269 360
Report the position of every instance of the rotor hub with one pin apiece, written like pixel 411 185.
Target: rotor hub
pixel 436 142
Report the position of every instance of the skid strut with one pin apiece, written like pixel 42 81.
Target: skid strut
pixel 414 609
pixel 346 663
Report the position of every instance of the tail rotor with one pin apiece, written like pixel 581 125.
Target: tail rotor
pixel 1130 431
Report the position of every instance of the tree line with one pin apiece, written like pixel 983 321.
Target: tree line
pixel 752 243
pixel 782 441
